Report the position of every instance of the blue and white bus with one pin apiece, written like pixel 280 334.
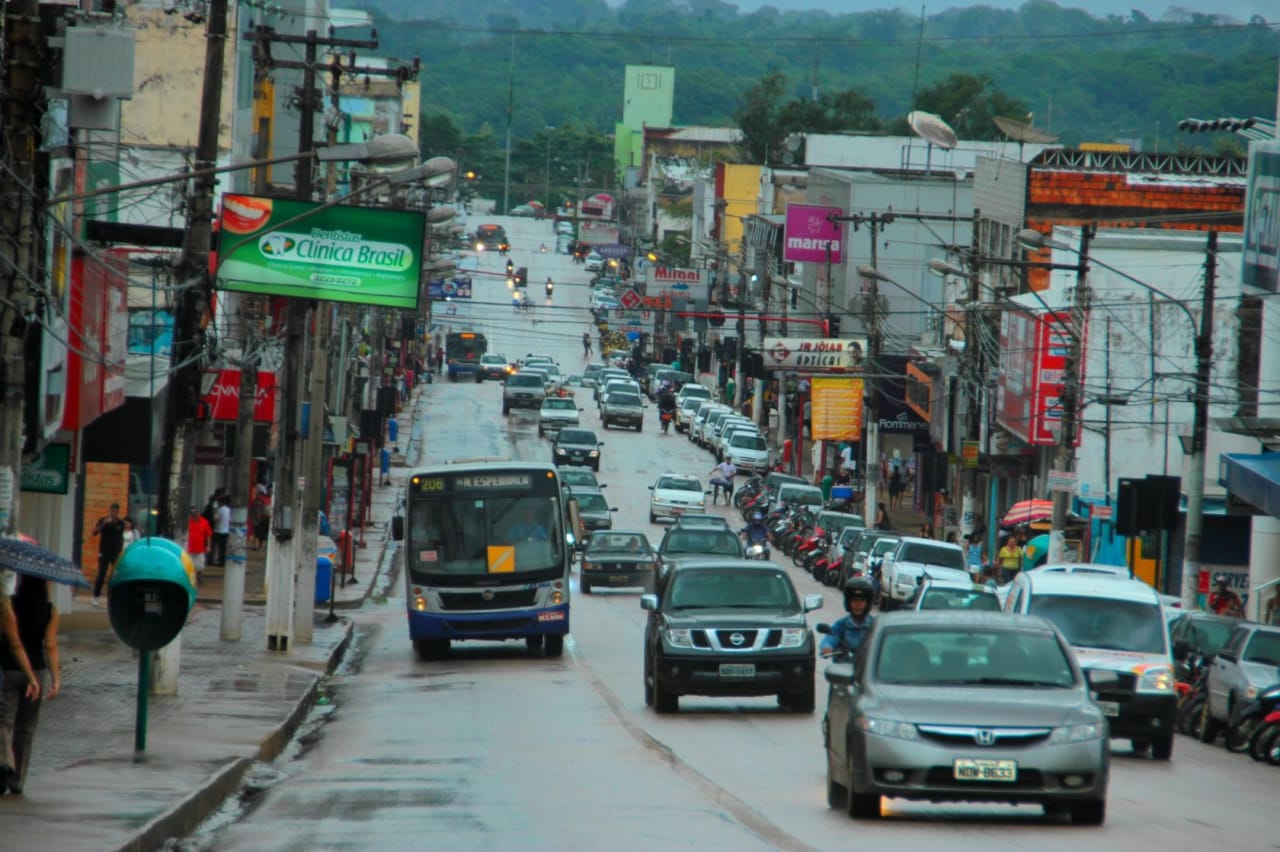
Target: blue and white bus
pixel 487 554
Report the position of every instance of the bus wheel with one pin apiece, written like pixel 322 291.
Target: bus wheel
pixel 533 643
pixel 555 645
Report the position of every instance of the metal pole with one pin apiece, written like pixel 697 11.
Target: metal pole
pixel 1071 385
pixel 140 710
pixel 872 426
pixel 1199 432
pixel 511 102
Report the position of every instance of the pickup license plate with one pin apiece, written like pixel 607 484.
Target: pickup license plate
pixel 967 769
pixel 1109 708
pixel 737 670
pixel 619 578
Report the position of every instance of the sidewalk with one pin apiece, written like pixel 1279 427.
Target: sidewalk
pixel 237 703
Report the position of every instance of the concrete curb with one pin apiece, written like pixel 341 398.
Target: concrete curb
pixel 184 817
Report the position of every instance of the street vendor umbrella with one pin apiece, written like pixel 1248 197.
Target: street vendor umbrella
pixel 1026 512
pixel 33 560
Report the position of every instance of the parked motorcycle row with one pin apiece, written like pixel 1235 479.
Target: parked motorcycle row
pixel 1254 726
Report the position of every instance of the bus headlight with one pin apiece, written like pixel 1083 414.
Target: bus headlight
pixel 556 597
pixel 420 604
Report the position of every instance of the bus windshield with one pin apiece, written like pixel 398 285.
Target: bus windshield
pixel 464 347
pixel 475 540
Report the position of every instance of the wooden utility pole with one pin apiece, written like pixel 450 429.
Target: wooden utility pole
pixel 23 193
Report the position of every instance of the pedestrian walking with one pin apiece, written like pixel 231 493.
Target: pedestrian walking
pixel 221 532
pixel 882 518
pixel 722 479
pixel 109 530
pixel 30 662
pixel 260 515
pixel 896 488
pixel 586 344
pixel 199 534
pixel 1009 559
pixel 131 533
pixel 439 362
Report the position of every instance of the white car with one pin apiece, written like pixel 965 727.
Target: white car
pixel 594 262
pixel 748 451
pixel 556 413
pixel 564 227
pixel 674 494
pixel 914 559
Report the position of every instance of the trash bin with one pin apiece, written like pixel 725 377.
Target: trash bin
pixel 324 579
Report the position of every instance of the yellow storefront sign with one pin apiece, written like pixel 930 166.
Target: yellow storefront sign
pixel 837 409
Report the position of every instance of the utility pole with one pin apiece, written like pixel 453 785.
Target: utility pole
pixel 1199 431
pixel 1072 381
pixel 23 194
pixel 976 386
pixel 195 289
pixel 511 105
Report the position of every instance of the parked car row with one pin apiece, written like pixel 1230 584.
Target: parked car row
pixel 726 433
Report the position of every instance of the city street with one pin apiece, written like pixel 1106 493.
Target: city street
pixel 494 749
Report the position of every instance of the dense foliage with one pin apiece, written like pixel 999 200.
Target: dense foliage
pixel 1083 78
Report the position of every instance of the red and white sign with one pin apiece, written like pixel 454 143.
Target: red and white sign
pixel 812 235
pixel 1033 363
pixel 224 397
pixel 99 286
pixel 630 299
pixel 813 354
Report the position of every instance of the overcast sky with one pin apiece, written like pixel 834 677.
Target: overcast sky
pixel 1241 9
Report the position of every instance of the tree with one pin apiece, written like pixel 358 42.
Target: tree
pixel 766 123
pixel 759 117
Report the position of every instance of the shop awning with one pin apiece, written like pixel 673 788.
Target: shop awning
pixel 1255 479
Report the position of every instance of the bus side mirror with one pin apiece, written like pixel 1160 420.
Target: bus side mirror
pixel 397 528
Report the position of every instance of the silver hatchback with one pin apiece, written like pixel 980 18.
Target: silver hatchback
pixel 966 706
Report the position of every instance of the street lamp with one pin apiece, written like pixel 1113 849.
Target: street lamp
pixel 550 130
pixel 1203 331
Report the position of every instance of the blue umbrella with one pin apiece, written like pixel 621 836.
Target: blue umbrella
pixel 34 561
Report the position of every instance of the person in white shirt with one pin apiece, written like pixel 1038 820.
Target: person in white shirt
pixel 846 462
pixel 221 532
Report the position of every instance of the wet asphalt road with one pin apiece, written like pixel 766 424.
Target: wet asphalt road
pixel 495 749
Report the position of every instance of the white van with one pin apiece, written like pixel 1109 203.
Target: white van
pixel 1114 625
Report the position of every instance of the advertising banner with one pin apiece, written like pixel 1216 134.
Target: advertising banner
pixel 451 288
pixel 810 233
pixel 813 354
pixel 279 247
pixel 1262 218
pixel 224 396
pixel 837 409
pixel 1033 361
pixel 673 282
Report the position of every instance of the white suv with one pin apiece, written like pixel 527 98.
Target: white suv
pixel 911 560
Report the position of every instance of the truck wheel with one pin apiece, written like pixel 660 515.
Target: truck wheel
pixel 663 701
pixel 1089 813
pixel 584 584
pixel 802 701
pixel 1162 747
pixel 554 645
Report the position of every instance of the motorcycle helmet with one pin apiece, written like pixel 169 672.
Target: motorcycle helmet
pixel 1221 580
pixel 757 516
pixel 858 587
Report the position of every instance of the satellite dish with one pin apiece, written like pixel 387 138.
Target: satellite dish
pixel 793 142
pixel 932 129
pixel 1022 131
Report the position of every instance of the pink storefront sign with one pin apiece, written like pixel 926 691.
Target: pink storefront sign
pixel 812 231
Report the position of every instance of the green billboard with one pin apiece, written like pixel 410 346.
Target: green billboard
pixel 298 249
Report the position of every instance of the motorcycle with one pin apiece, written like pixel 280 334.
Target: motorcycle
pixel 1193 690
pixel 1248 719
pixel 551 288
pixel 1265 745
pixel 666 417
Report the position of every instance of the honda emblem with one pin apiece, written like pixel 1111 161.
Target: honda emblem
pixel 984 737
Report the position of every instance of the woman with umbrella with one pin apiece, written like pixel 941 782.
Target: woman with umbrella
pixel 35 651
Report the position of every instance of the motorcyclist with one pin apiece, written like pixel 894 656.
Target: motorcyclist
pixel 551 286
pixel 848 631
pixel 1224 600
pixel 756 531
pixel 666 400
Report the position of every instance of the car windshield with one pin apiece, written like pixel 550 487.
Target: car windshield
pixel 805 495
pixel 525 380
pixel 576 436
pixel 943 598
pixel 679 483
pixel 493 359
pixel 832 521
pixel 618 543
pixel 978 656
pixel 932 554
pixel 557 403
pixel 695 392
pixel 1263 648
pixel 883 546
pixel 574 476
pixel 727 588
pixel 744 441
pixel 623 399
pixel 1095 622
pixel 714 542
pixel 1210 636
pixel 591 502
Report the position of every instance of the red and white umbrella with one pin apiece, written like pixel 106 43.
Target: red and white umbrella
pixel 1027 512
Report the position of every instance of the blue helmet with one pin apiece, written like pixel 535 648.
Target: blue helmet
pixel 757 516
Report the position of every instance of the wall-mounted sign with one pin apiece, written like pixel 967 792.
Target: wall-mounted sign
pixel 813 354
pixel 811 235
pixel 279 247
pixel 50 473
pixel 449 288
pixel 224 396
pixel 837 409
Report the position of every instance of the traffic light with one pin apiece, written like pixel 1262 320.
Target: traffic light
pixel 833 325
pixel 470 175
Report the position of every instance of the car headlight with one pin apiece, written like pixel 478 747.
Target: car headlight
pixel 1156 679
pixel 793 637
pixel 594 453
pixel 887 728
pixel 560 452
pixel 1077 733
pixel 680 638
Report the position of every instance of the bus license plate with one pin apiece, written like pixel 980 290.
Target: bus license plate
pixel 551 615
pixel 967 769
pixel 737 670
pixel 1109 708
